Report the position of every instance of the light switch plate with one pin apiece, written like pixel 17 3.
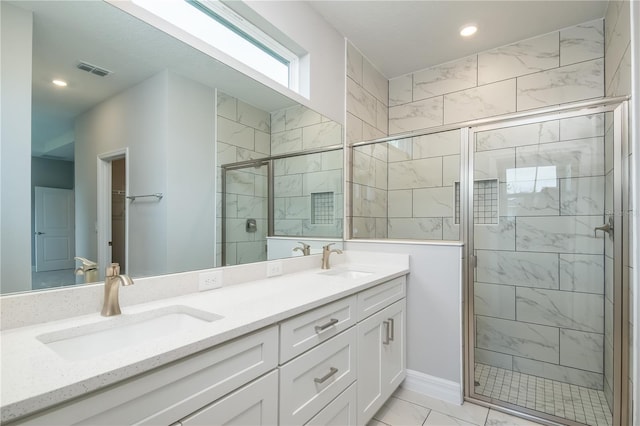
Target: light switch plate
pixel 209 280
pixel 274 268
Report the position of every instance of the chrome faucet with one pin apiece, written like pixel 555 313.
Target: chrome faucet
pixel 112 281
pixel 305 249
pixel 326 252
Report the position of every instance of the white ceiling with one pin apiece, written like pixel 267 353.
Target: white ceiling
pixel 400 37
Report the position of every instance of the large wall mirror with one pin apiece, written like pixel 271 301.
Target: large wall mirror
pixel 161 158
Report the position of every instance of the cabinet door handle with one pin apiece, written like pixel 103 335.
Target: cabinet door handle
pixel 326 377
pixel 393 329
pixel 386 339
pixel 323 327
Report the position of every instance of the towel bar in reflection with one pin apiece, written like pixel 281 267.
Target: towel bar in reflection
pixel 158 195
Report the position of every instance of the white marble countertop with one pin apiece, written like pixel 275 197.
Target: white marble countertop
pixel 34 377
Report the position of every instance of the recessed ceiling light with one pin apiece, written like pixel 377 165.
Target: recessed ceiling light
pixel 60 83
pixel 468 30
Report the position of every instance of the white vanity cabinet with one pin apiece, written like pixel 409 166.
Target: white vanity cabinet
pixel 381 348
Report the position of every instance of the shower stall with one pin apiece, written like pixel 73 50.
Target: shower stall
pixel 538 200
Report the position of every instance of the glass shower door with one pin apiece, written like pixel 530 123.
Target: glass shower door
pixel 542 289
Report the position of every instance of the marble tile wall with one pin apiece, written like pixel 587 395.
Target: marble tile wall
pixel 243 133
pixel 617 31
pixel 555 68
pixel 540 281
pixel 367 119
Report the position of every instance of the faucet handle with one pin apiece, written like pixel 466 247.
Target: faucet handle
pixel 328 246
pixel 304 245
pixel 112 270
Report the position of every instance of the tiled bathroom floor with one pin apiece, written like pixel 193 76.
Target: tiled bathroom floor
pixel 572 402
pixel 407 408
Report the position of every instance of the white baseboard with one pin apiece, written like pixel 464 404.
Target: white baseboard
pixel 434 387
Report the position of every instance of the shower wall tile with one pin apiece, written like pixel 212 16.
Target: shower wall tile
pixel 363 227
pixel 492 300
pixel 287 186
pixel 494 164
pixel 250 206
pixel 300 116
pixel 618 36
pixel 608 278
pixel 226 106
pixel 278 121
pixel 495 359
pixel 582 42
pixel 354 129
pixel 450 170
pixel 416 115
pixel 296 207
pixel 300 164
pixel 528 134
pixel 436 144
pixel 583 157
pixel 559 234
pixel 240 183
pixel 483 101
pixel 516 268
pixel 285 142
pixel 582 196
pixel 288 227
pixel 236 134
pixel 582 273
pixel 401 90
pixel 570 83
pixel 582 350
pixel 418 228
pixel 370 132
pixel 263 143
pixel 577 311
pixel 582 127
pixel 520 198
pixel 496 237
pixel 401 150
pixel 433 202
pixel 361 103
pixel 375 83
pixel 450 230
pixel 330 180
pixel 253 117
pixel 354 63
pixel 557 372
pixel 516 338
pixel 250 252
pixel 382 118
pixel 608 147
pixel 524 57
pixel 321 135
pixel 445 78
pixel 620 84
pixel 226 153
pixel 372 202
pixel 422 173
pixel 400 203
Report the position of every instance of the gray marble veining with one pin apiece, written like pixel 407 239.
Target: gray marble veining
pixel 518 268
pixel 529 198
pixel 361 103
pixel 517 338
pixel 253 117
pixel 579 349
pixel 483 101
pixel 582 127
pixel 495 359
pixel 494 300
pixel 570 83
pixel 559 234
pixel 300 116
pixel 528 134
pixel 321 135
pixel 401 90
pixel 400 203
pixel 557 372
pixel 416 115
pixel 436 144
pixel 445 78
pixel 288 141
pixel 582 196
pixel 496 237
pixel 582 273
pixel 433 202
pixel 420 228
pixel 582 42
pixel 423 173
pixel 524 57
pixel 577 311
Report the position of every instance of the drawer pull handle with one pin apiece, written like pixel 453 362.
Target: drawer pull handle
pixel 323 327
pixel 326 377
pixel 386 333
pixel 393 329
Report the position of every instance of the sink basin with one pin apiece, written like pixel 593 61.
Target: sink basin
pixel 350 274
pixel 91 340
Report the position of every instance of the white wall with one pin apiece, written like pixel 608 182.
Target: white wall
pixel 15 153
pixel 191 172
pixel 434 306
pixel 135 119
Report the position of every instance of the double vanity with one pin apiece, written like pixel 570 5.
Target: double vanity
pixel 310 346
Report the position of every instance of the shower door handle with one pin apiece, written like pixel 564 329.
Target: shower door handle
pixel 607 227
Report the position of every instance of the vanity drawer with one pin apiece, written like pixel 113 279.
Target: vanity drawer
pixel 254 404
pixel 341 411
pixel 307 330
pixel 376 298
pixel 171 392
pixel 309 382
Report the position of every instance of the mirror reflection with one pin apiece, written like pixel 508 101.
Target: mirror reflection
pixel 128 158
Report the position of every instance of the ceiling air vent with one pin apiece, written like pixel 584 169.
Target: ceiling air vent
pixel 100 72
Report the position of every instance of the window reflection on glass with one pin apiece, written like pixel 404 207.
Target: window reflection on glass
pixel 526 180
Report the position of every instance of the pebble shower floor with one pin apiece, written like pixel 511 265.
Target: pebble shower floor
pixel 576 403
